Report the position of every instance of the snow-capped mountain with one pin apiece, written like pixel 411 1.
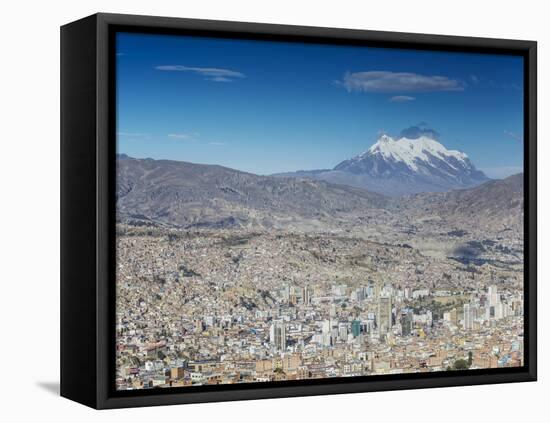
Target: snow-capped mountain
pixel 412 153
pixel 417 157
pixel 405 166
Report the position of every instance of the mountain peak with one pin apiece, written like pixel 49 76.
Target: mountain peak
pixel 385 139
pixel 414 162
pixel 412 152
pixel 419 161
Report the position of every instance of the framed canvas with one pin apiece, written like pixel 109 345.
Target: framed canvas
pixel 258 211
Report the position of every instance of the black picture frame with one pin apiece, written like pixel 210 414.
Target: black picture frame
pixel 88 198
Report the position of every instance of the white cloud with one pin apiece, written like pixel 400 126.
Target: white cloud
pixel 216 143
pixel 401 99
pixel 186 137
pixel 514 136
pixel 210 74
pixel 132 134
pixel 389 82
pixel 220 79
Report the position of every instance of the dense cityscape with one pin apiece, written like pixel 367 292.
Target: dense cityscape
pixel 229 306
pixel 292 211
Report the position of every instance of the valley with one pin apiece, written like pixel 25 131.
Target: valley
pixel 228 277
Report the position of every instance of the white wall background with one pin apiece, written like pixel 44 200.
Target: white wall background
pixel 29 175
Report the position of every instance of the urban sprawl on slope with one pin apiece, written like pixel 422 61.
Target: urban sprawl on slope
pixel 198 307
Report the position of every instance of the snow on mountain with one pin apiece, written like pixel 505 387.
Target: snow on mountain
pixel 413 163
pixel 411 151
pixel 407 165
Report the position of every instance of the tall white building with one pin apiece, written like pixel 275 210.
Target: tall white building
pixel 343 331
pixel 326 326
pixel 469 316
pixel 494 296
pixel 500 311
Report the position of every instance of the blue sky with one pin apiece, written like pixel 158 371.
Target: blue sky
pixel 267 107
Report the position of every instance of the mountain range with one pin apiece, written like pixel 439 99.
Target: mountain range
pixel 189 195
pixel 182 194
pixel 496 205
pixel 410 164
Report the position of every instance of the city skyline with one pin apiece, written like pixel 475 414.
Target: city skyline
pixel 404 259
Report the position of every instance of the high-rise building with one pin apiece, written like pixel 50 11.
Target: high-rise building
pixel 500 311
pixel 469 316
pixel 306 295
pixel 494 296
pixel 356 328
pixel 450 316
pixel 325 328
pixel 370 290
pixel 277 335
pixel 343 331
pixel 406 322
pixel 384 318
pixel 358 294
